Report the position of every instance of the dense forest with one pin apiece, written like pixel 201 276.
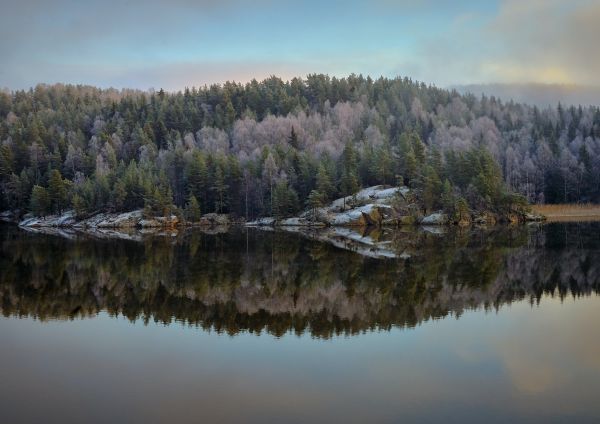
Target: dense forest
pixel 275 147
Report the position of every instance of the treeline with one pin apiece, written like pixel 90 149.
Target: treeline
pixel 271 147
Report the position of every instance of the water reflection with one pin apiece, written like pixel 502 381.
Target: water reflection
pixel 278 282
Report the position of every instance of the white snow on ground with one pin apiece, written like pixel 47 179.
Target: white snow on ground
pixel 64 220
pixel 435 219
pixel 376 194
pixel 268 221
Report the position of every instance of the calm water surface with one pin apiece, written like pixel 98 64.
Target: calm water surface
pixel 251 326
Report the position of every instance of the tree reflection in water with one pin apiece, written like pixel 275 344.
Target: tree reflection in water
pixel 279 282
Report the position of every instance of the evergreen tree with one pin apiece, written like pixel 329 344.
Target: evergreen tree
pixel 220 188
pixel 192 209
pixel 314 201
pixel 39 201
pixel 324 184
pixel 57 191
pixel 79 205
pixel 293 139
pixel 349 183
pixel 448 200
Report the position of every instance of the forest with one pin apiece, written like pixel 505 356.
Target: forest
pixel 276 147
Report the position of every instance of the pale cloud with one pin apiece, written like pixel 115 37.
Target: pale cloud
pixel 549 41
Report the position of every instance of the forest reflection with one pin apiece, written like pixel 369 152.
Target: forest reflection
pixel 277 282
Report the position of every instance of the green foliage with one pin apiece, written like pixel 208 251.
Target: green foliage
pixel 57 191
pixel 192 209
pixel 324 185
pixel 79 205
pixel 285 200
pixel 40 201
pixel 314 200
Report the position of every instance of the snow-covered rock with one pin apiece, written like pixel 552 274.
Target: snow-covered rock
pixel 530 217
pixel 66 219
pixel 371 214
pixel 122 220
pixel 380 195
pixel 299 222
pixel 211 219
pixel 435 219
pixel 159 222
pixel 262 222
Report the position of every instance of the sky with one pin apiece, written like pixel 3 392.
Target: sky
pixel 182 43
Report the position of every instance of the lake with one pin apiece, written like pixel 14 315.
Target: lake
pixel 247 325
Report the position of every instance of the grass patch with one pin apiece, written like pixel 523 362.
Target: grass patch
pixel 569 212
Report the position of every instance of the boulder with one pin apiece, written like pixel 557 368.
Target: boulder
pixel 210 219
pixel 437 218
pixel 262 222
pixel 380 195
pixel 530 217
pixel 407 220
pixel 371 214
pixel 486 218
pixel 121 220
pixel 66 219
pixel 159 222
pixel 299 222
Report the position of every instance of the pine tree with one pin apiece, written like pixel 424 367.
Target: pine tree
pixel 57 190
pixel 448 200
pixel 293 139
pixel 39 201
pixel 220 189
pixel 192 209
pixel 432 188
pixel 79 205
pixel 349 177
pixel 314 201
pixel 384 168
pixel 325 186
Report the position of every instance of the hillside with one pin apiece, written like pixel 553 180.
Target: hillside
pixel 272 148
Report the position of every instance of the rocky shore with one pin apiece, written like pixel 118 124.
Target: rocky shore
pixel 386 206
pixel 376 206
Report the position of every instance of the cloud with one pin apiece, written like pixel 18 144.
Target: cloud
pixel 547 41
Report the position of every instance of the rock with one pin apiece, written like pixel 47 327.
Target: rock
pixel 379 195
pixel 407 220
pixel 122 220
pixel 262 222
pixel 159 222
pixel 485 218
pixel 299 222
pixel 66 219
pixel 530 217
pixel 371 214
pixel 435 219
pixel 210 219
